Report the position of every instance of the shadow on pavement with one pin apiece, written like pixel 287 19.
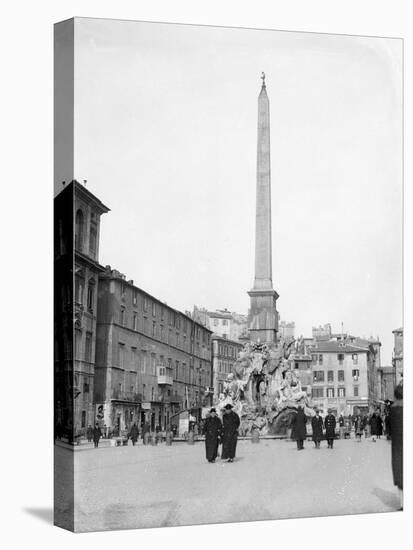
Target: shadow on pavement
pixel 45 514
pixel 388 498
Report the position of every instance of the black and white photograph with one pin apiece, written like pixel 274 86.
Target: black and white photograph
pixel 228 274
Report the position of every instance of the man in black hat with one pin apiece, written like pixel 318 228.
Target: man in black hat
pixel 317 426
pixel 330 426
pixel 231 423
pixel 212 430
pixel 299 433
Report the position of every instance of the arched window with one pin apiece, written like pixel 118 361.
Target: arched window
pixel 79 230
pixel 92 240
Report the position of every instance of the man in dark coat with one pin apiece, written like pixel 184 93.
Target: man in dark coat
pixel 212 429
pixel 230 422
pixel 97 434
pixel 317 425
pixel 134 433
pixel 299 428
pixel 396 428
pixel 330 426
pixel 374 426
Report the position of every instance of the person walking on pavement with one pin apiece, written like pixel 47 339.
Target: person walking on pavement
pixel 212 429
pixel 134 433
pixel 374 427
pixel 230 422
pixel 330 426
pixel 317 426
pixel 341 425
pixel 396 431
pixel 358 427
pixel 89 433
pixel 97 434
pixel 299 428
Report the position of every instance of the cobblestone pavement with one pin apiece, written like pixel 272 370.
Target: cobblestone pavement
pixel 145 486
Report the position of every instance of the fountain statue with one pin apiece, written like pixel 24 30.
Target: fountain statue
pixel 263 389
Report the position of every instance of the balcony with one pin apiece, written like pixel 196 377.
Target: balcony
pixel 127 396
pixel 164 375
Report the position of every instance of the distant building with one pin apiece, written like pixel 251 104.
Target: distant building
pixel 152 361
pixel 286 330
pixel 222 322
pixel 344 371
pixel 224 355
pixel 386 383
pixel 398 353
pixel 322 332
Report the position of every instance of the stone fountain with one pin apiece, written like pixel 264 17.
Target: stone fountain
pixel 264 390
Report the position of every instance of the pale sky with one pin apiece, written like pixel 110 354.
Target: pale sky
pixel 165 135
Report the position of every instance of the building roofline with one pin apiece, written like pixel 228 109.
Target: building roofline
pixel 106 276
pixel 82 190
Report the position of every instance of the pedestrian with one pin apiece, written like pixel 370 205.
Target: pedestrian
pixel 366 426
pixel 374 427
pixel 146 433
pixel 341 425
pixel 97 434
pixel 317 426
pixel 299 428
pixel 387 425
pixel 358 427
pixel 230 422
pixel 105 431
pixel 89 433
pixel 396 430
pixel 379 425
pixel 212 429
pixel 134 433
pixel 330 426
pixel 347 428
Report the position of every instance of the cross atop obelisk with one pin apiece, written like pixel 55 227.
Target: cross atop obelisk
pixel 263 316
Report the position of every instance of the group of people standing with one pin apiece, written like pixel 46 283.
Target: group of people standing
pixel 299 428
pixel 225 432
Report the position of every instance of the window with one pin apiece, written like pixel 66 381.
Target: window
pixel 153 363
pixel 135 359
pixel 296 365
pixel 152 393
pixel 79 289
pixel 355 358
pixel 317 392
pixel 83 419
pixel 122 317
pixel 330 376
pixel 86 387
pixel 145 325
pixel 135 321
pixel 320 359
pixel 144 359
pixel 145 304
pixel 143 391
pixel 355 373
pixel 90 293
pixel 135 297
pixel 88 347
pixel 341 392
pixel 153 328
pixel 153 309
pixel 121 356
pixel 92 240
pixel 225 322
pixel 314 358
pixel 215 322
pixel 340 358
pixel 318 376
pixel 340 375
pixel 79 230
pixel 330 392
pixel 356 391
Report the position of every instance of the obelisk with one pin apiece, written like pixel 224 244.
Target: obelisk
pixel 263 315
